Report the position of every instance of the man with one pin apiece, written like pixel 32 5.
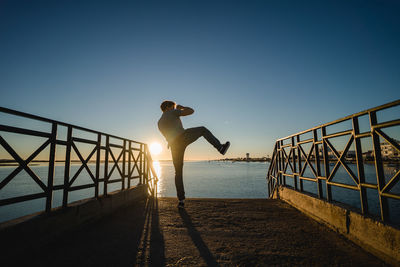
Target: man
pixel 178 139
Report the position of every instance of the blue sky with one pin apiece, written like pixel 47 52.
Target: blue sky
pixel 254 71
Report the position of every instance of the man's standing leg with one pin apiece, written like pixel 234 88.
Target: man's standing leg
pixel 177 158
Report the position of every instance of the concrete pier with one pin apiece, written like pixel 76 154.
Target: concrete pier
pixel 208 232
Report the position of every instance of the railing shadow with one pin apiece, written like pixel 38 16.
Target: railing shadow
pixel 205 253
pixel 151 250
pixel 131 236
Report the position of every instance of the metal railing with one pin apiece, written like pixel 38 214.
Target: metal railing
pixel 132 156
pixel 290 160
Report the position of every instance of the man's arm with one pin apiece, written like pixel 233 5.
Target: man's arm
pixel 185 110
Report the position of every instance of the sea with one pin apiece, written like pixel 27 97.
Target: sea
pixel 202 179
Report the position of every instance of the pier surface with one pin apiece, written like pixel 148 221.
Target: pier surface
pixel 208 232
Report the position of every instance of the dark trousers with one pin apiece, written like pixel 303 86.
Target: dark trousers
pixel 178 150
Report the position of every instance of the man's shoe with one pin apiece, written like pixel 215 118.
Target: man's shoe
pixel 181 204
pixel 224 148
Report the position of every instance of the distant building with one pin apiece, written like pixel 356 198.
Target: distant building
pixel 369 155
pixel 331 155
pixel 248 156
pixel 388 151
pixel 351 154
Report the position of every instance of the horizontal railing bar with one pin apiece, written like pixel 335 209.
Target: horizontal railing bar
pixel 284 139
pixel 114 181
pixel 61 142
pixel 35 117
pixel 308 179
pixel 297 134
pixel 79 187
pixel 386 124
pixel 23 114
pixel 58 187
pixel 362 135
pixel 11 129
pixel 288 145
pixel 305 141
pixel 77 139
pixel 134 177
pixel 115 145
pixel 373 186
pixel 343 185
pixel 13 200
pixel 390 195
pixel 289 175
pixel 136 149
pixel 359 114
pixel 347 132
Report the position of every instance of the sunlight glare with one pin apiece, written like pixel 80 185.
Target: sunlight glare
pixel 155 148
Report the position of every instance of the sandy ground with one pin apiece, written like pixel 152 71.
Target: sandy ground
pixel 208 232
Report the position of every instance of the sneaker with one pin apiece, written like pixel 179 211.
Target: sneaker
pixel 224 148
pixel 181 204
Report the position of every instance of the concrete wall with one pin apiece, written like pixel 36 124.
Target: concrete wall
pixel 38 228
pixel 379 239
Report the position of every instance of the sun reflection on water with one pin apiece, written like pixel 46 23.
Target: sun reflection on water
pixel 157 169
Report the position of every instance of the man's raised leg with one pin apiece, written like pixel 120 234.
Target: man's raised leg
pixel 192 134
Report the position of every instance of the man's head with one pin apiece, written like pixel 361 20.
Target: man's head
pixel 167 105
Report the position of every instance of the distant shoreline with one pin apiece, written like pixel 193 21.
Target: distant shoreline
pixel 386 161
pixel 10 163
pixel 245 160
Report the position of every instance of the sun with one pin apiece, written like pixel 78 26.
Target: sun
pixel 155 148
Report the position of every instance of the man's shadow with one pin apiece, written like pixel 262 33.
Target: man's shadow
pixel 205 253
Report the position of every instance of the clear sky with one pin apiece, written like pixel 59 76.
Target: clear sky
pixel 254 71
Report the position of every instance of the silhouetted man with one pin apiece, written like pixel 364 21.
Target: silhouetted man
pixel 178 139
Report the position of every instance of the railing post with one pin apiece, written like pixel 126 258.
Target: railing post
pixel 98 162
pixel 146 165
pixel 279 163
pixel 141 165
pixel 272 183
pixel 380 175
pixel 326 164
pixel 123 164
pixel 67 167
pixel 129 164
pixel 360 167
pixel 300 165
pixel 317 162
pixel 52 157
pixel 106 164
pixel 295 177
pixel 269 181
pixel 283 165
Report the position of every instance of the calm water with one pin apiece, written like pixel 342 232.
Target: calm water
pixel 202 179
